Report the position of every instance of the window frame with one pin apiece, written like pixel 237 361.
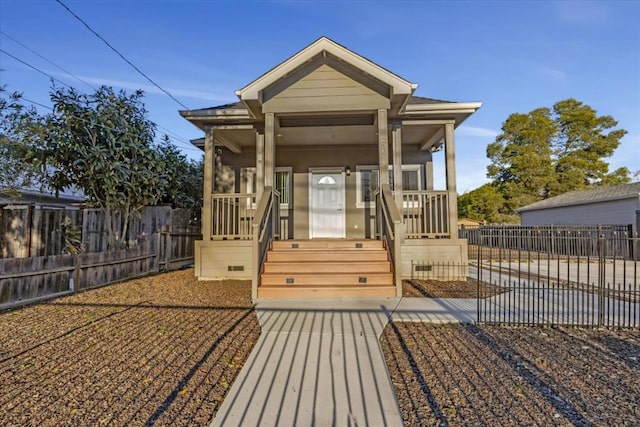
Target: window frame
pixel 411 167
pixel 248 183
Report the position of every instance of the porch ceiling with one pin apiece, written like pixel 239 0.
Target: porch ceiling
pixel 328 135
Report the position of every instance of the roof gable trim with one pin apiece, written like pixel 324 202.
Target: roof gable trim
pixel 399 85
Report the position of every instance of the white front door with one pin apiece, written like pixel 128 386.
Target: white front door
pixel 326 205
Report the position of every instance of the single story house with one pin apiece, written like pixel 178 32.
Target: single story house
pixel 619 205
pixel 319 180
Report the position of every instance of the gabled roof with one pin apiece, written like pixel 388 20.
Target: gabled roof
pixel 324 46
pixel 604 194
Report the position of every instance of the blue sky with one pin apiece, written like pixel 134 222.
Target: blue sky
pixel 512 56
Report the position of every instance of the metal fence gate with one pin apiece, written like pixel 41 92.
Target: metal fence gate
pixel 530 284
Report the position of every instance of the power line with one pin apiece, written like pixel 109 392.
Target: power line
pixel 177 137
pixel 82 119
pixel 34 68
pixel 121 55
pixel 49 61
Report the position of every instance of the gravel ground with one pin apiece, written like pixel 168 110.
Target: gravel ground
pixel 418 288
pixel 161 350
pixel 468 375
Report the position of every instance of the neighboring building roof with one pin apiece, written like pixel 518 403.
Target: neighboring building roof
pixel 43 198
pixel 624 191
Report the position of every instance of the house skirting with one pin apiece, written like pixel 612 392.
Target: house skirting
pixel 450 256
pixel 223 259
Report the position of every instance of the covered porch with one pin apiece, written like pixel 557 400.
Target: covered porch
pixel 327 146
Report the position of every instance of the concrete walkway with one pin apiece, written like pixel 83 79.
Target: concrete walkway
pixel 319 362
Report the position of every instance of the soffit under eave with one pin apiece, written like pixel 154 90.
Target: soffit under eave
pixel 397 84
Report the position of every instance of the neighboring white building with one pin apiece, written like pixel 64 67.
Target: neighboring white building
pixel 609 205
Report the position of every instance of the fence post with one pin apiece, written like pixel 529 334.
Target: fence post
pixel 166 247
pixel 158 251
pixel 478 276
pixel 76 274
pixel 602 244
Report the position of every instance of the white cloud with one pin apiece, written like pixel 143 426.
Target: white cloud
pixel 148 88
pixel 477 131
pixel 551 74
pixel 582 12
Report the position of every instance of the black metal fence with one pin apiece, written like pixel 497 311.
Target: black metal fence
pixel 553 240
pixel 595 283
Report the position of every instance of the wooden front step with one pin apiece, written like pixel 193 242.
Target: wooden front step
pixel 327 268
pixel 326 292
pixel 342 244
pixel 325 255
pixel 328 279
pixel 344 266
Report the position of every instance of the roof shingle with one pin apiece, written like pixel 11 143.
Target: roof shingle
pixel 583 197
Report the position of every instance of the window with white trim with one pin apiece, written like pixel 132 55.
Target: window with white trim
pixel 368 181
pixel 281 180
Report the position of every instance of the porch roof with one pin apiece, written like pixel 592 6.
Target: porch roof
pixel 422 120
pixel 328 95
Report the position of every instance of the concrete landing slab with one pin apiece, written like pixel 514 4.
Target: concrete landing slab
pixel 436 310
pixel 326 316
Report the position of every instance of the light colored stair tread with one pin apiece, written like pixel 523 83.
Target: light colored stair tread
pixel 332 292
pixel 327 268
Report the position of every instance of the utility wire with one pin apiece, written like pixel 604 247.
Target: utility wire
pixel 82 119
pixel 180 139
pixel 121 55
pixel 34 68
pixel 49 61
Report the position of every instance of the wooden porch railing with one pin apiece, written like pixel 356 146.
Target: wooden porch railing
pixel 389 228
pixel 425 214
pixel 265 228
pixel 231 216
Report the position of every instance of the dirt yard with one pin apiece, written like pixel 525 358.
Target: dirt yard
pixel 467 375
pixel 418 288
pixel 161 350
pixel 164 350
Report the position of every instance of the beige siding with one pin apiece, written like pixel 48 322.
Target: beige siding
pixel 325 89
pixel 446 252
pixel 213 259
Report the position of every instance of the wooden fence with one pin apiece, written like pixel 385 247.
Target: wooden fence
pixel 30 230
pixel 29 279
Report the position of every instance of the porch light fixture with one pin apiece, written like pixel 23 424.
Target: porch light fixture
pixel 347 170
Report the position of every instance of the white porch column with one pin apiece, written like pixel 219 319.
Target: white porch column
pixel 428 168
pixel 396 140
pixel 208 184
pixel 383 146
pixel 259 164
pixel 269 149
pixel 452 195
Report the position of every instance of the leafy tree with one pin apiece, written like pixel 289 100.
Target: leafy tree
pixel 547 152
pixel 581 145
pixel 102 144
pixel 182 179
pixel 522 166
pixel 16 125
pixel 485 203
